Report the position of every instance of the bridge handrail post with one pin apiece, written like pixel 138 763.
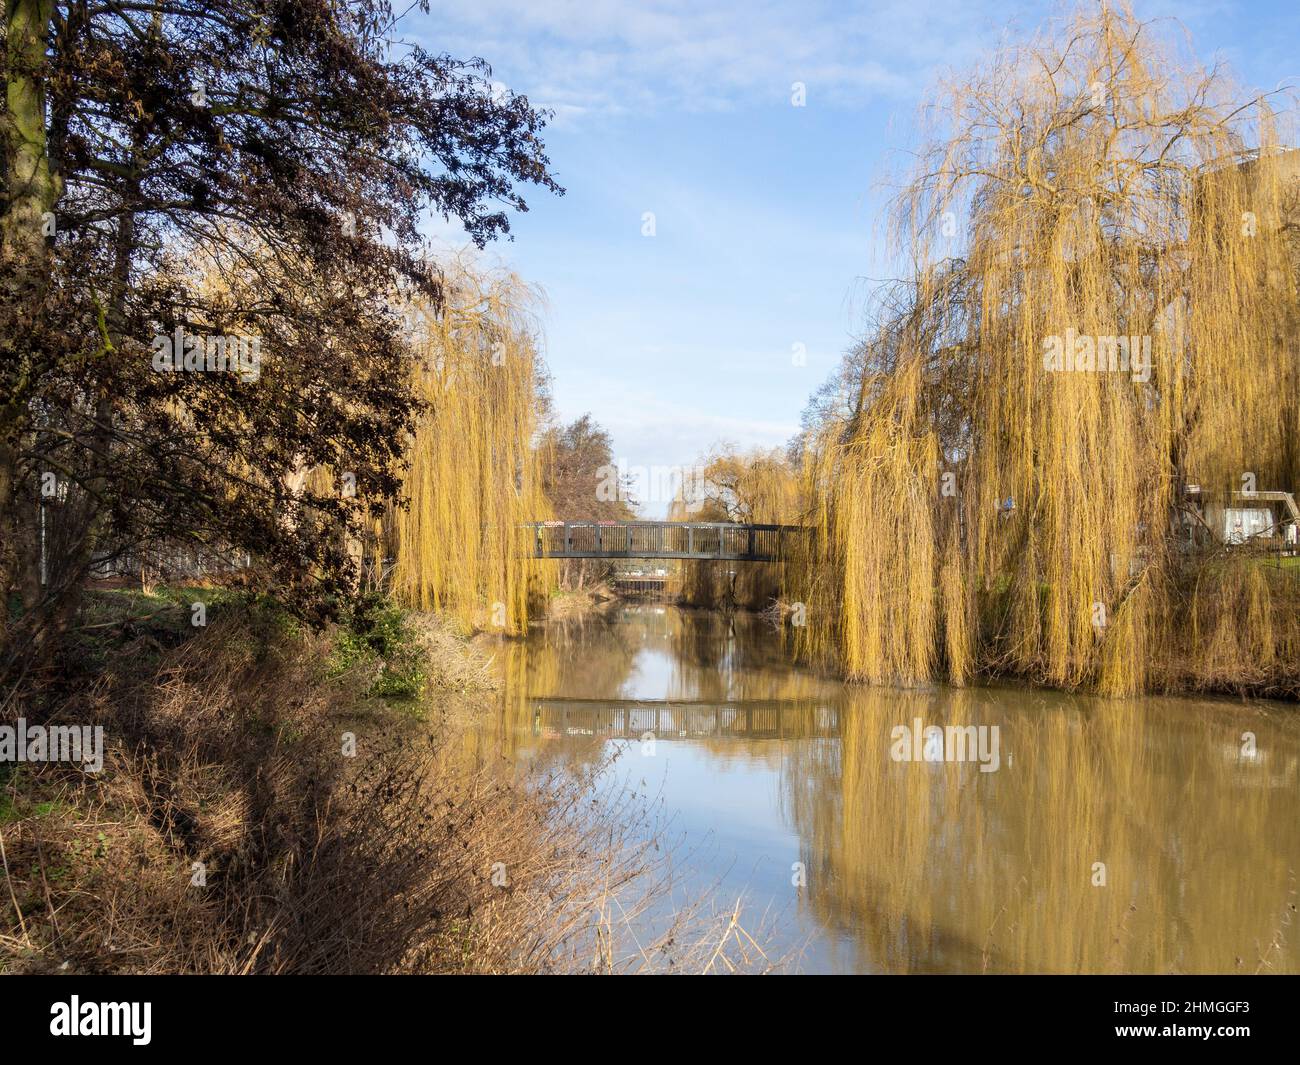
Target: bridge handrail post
pixel 568 538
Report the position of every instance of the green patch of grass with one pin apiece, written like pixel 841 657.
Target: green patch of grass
pixel 167 616
pixel 377 631
pixel 10 776
pixel 165 606
pixel 17 803
pixel 371 633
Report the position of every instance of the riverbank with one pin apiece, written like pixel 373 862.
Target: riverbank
pixel 1228 631
pixel 576 602
pixel 277 800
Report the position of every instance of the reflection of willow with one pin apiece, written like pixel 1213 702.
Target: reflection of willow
pixel 941 867
pixel 733 666
pixel 749 585
pixel 719 658
pixel 929 867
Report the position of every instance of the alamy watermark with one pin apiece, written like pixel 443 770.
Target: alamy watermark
pixel 77 1018
pixel 619 482
pixel 195 353
pixel 1084 353
pixel 53 743
pixel 947 743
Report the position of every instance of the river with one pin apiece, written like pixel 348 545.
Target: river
pixel 1036 831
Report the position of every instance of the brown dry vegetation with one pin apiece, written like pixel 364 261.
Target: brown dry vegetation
pixel 226 750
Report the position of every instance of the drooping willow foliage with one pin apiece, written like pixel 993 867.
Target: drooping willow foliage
pixel 1098 313
pixel 474 478
pixel 760 487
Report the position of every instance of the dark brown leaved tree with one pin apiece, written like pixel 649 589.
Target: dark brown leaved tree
pixel 581 481
pixel 241 181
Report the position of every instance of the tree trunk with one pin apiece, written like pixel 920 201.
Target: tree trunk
pixel 31 189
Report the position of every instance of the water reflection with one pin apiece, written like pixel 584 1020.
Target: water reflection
pixel 932 866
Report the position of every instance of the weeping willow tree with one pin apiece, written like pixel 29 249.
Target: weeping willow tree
pixel 759 486
pixel 1098 313
pixel 474 477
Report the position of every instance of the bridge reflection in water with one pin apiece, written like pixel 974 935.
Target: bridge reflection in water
pixel 632 719
pixel 645 585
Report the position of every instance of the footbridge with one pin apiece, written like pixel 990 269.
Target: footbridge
pixel 705 540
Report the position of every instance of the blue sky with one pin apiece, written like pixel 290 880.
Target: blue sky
pixel 766 215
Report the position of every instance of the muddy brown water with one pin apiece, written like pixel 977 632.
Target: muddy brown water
pixel 945 830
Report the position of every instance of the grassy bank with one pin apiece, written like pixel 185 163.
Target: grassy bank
pixel 277 800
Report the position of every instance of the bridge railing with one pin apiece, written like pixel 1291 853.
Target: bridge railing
pixel 664 539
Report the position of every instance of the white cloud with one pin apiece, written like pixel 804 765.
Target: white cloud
pixel 608 56
pixel 649 430
pixel 679 438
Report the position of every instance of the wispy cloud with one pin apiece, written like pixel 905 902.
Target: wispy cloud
pixel 651 435
pixel 644 423
pixel 582 57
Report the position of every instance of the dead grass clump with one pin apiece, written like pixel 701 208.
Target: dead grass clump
pixel 452 664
